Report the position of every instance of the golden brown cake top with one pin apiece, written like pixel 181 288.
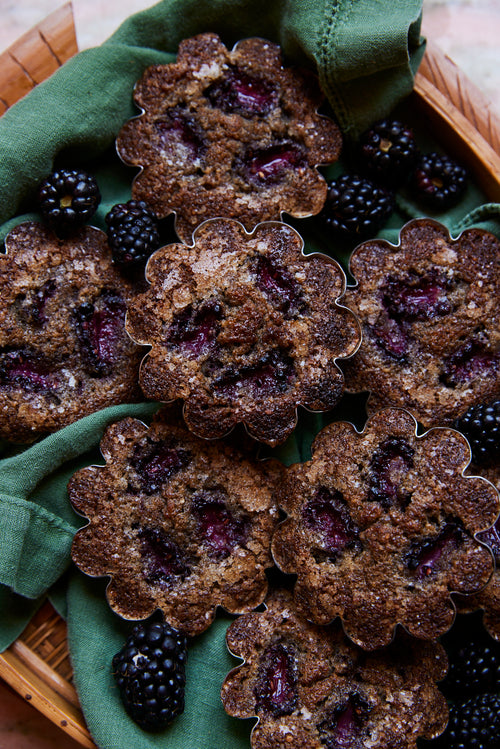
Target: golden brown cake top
pixel 430 313
pixel 310 687
pixel 243 328
pixel 229 133
pixel 381 528
pixel 179 524
pixel 64 352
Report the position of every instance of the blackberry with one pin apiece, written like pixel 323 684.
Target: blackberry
pixel 481 425
pixel 356 207
pixel 150 673
pixel 438 182
pixel 388 152
pixel 473 724
pixel 132 233
pixel 67 199
pixel 474 668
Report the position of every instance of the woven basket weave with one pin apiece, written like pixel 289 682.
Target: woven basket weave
pixel 37 665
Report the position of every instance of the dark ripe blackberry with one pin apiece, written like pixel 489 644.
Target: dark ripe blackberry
pixel 481 425
pixel 438 182
pixel 388 152
pixel 473 724
pixel 474 668
pixel 132 233
pixel 356 207
pixel 67 199
pixel 150 673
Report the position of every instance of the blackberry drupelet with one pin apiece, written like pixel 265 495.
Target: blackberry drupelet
pixel 438 182
pixel 356 207
pixel 481 425
pixel 150 673
pixel 388 152
pixel 473 724
pixel 67 199
pixel 132 233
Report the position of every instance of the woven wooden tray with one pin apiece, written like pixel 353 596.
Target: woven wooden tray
pixel 37 665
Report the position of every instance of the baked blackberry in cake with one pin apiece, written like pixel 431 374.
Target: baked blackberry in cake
pixel 228 133
pixel 64 352
pixel 179 524
pixel 311 688
pixel 243 328
pixel 430 314
pixel 381 528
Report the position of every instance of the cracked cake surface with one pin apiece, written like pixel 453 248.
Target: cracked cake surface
pixel 381 528
pixel 228 133
pixel 310 687
pixel 243 328
pixel 179 524
pixel 64 351
pixel 430 315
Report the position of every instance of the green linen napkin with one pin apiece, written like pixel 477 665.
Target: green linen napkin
pixel 366 53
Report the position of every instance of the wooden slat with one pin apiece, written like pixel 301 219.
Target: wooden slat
pixel 34 688
pixel 58 32
pixel 14 83
pixel 451 81
pixel 462 117
pixel 38 667
pixel 36 55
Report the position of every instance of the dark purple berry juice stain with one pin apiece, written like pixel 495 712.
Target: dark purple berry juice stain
pixel 194 331
pixel 156 463
pixel 470 362
pixel 327 516
pixel 245 94
pixel 180 135
pixel 276 688
pixel 27 370
pixel 426 557
pixel 163 559
pixel 419 298
pixel 271 165
pixel 279 285
pixel 345 727
pixel 390 336
pixel 405 301
pixel 271 375
pixel 100 329
pixel 388 466
pixel 220 530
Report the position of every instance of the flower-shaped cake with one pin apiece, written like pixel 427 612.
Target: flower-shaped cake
pixel 430 314
pixel 381 528
pixel 64 352
pixel 179 524
pixel 311 688
pixel 243 328
pixel 228 133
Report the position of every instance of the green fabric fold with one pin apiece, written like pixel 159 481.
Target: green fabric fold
pixel 32 539
pixel 37 524
pixel 95 634
pixel 368 54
